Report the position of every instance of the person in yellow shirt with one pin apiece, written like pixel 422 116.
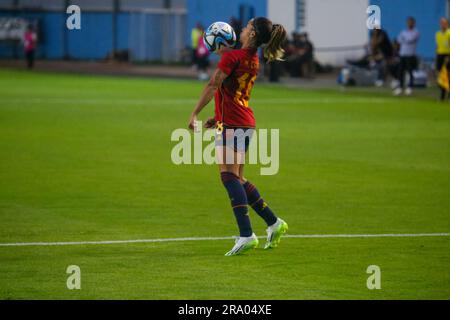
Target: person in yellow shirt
pixel 196 34
pixel 442 57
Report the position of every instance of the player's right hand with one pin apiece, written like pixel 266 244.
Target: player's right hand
pixel 193 122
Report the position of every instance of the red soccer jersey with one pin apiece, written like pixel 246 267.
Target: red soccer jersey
pixel 232 98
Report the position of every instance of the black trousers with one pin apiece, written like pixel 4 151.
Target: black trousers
pixel 274 71
pixel 194 56
pixel 30 58
pixel 440 61
pixel 202 63
pixel 407 64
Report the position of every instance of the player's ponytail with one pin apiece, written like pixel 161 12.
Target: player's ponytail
pixel 270 35
pixel 274 48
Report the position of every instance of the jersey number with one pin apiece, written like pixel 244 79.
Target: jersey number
pixel 245 87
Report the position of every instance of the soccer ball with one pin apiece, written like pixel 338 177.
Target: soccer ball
pixel 219 34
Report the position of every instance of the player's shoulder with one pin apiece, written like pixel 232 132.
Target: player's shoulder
pixel 232 53
pixel 233 56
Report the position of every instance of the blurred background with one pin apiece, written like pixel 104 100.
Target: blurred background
pixel 326 37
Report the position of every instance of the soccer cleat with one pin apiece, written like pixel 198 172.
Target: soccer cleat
pixel 408 91
pixel 397 92
pixel 274 233
pixel 243 244
pixel 395 84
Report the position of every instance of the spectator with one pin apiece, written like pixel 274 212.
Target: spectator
pixel 30 40
pixel 307 55
pixel 381 53
pixel 442 56
pixel 408 61
pixel 364 61
pixel 292 64
pixel 300 55
pixel 196 34
pixel 393 65
pixel 202 59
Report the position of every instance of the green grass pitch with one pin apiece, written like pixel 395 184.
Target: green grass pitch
pixel 87 158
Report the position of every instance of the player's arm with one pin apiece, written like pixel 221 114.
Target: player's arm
pixel 207 95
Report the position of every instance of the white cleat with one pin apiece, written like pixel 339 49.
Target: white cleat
pixel 243 244
pixel 408 91
pixel 274 233
pixel 395 84
pixel 203 76
pixel 397 92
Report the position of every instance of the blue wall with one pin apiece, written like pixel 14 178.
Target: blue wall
pixel 50 35
pixel 427 14
pixel 123 22
pixel 93 41
pixel 96 32
pixel 53 25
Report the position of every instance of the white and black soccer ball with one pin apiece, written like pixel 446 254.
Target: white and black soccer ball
pixel 219 34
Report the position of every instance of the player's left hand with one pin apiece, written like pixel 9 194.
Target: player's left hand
pixel 210 123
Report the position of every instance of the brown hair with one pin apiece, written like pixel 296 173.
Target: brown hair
pixel 272 35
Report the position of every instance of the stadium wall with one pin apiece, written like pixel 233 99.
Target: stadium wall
pixel 329 23
pixel 284 14
pixel 141 35
pixel 336 28
pixel 427 13
pixel 93 42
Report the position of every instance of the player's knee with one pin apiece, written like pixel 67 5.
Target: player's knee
pixel 230 168
pixel 227 176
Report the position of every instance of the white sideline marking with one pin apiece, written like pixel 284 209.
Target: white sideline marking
pixel 304 236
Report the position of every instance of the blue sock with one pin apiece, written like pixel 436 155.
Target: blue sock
pixel 258 204
pixel 238 198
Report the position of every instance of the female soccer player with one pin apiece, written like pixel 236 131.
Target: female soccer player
pixel 231 85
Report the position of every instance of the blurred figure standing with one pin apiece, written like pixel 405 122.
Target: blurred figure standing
pixel 202 59
pixel 407 40
pixel 381 53
pixel 291 64
pixel 30 40
pixel 300 56
pixel 393 65
pixel 196 34
pixel 307 56
pixel 442 57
